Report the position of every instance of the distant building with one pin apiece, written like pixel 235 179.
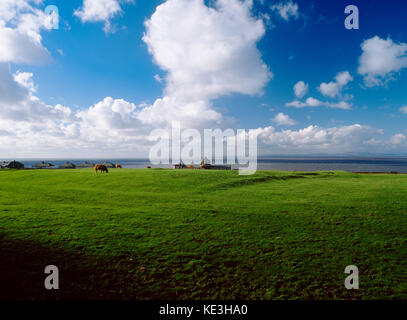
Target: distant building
pixel 181 165
pixel 3 164
pixel 109 165
pixel 67 165
pixel 85 165
pixel 206 164
pixel 43 165
pixel 15 165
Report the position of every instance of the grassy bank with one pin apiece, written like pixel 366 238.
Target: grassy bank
pixel 185 234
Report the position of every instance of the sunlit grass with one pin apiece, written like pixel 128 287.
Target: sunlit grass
pixel 189 234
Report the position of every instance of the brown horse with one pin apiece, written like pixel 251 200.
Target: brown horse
pixel 117 166
pixel 100 167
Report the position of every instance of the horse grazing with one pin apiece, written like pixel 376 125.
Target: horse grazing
pixel 101 167
pixel 117 166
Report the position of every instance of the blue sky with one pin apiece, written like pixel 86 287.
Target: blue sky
pixel 95 57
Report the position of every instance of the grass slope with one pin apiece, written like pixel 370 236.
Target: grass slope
pixel 184 234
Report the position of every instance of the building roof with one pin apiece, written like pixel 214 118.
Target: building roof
pixel 85 165
pixel 14 164
pixel 43 164
pixel 205 161
pixel 67 165
pixel 109 164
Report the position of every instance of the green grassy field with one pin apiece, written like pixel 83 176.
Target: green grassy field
pixel 190 234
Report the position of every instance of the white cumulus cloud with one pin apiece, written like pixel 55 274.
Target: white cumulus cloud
pixel 282 119
pixel 17 100
pixel 316 139
pixel 286 10
pixel 301 89
pixel 100 11
pixel 313 103
pixel 398 139
pixel 25 79
pixel 207 52
pixel 30 127
pixel 21 23
pixel 381 59
pixel 333 88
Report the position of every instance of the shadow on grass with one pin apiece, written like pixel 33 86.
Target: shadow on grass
pixel 22 265
pixel 86 277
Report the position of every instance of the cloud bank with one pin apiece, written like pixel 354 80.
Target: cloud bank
pixel 314 103
pixel 315 139
pixel 206 52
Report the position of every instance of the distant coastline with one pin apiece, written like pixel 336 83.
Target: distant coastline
pixel 301 163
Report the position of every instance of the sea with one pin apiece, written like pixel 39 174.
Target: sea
pixel 350 164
